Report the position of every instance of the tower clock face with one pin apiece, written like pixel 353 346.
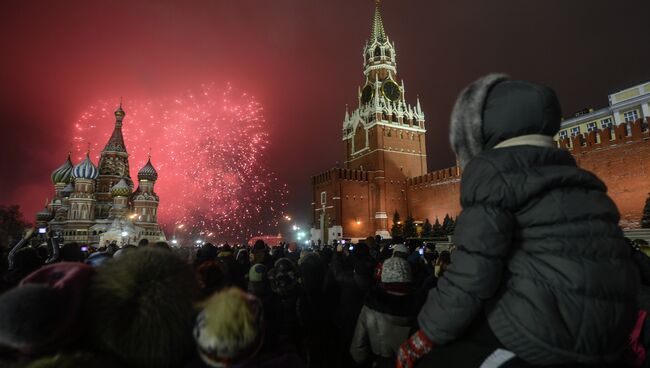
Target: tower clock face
pixel 391 90
pixel 367 94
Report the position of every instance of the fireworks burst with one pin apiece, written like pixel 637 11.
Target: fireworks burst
pixel 208 149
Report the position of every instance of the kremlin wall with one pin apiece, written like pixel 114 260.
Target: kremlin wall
pixel 618 156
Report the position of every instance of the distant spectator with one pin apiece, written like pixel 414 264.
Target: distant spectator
pixel 386 318
pixel 71 252
pixel 143 243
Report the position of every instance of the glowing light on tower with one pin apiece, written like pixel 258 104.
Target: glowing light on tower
pixel 208 149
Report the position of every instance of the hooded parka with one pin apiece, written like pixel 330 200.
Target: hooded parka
pixel 539 249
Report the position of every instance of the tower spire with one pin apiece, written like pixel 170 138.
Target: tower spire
pixel 116 141
pixel 378 32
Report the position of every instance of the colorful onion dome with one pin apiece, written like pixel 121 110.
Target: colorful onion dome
pixel 44 215
pixel 69 189
pixel 121 189
pixel 85 169
pixel 148 172
pixel 64 173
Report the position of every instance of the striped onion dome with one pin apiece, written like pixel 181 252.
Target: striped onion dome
pixel 121 189
pixel 148 172
pixel 85 170
pixel 64 173
pixel 44 215
pixel 69 189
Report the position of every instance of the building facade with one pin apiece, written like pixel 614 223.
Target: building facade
pixel 385 167
pixel 625 107
pixel 95 205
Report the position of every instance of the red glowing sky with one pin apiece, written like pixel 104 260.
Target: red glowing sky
pixel 301 59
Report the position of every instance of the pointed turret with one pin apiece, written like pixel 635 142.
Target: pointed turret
pixel 116 142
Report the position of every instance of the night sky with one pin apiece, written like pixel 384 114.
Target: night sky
pixel 301 59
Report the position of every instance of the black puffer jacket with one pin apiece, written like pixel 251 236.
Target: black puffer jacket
pixel 539 248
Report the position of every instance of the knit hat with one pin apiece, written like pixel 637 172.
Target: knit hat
pixel 284 276
pixel 395 271
pixel 140 308
pixel 229 329
pixel 400 248
pixel 257 273
pixel 41 314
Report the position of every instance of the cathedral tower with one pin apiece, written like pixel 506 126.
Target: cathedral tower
pixel 145 200
pixel 82 200
pixel 113 166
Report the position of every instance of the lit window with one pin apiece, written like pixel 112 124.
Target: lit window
pixel 630 116
pixel 563 134
pixel 575 131
pixel 591 127
pixel 606 123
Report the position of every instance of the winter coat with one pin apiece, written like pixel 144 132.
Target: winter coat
pixel 353 289
pixel 384 323
pixel 539 248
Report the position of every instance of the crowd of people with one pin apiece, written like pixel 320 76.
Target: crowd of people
pixel 285 306
pixel 540 275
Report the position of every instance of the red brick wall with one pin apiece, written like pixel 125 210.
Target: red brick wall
pixel 622 162
pixel 435 195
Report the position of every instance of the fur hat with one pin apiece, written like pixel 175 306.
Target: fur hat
pixel 257 273
pixel 140 308
pixel 396 270
pixel 41 315
pixel 229 329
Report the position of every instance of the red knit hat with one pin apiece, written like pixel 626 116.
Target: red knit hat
pixel 41 314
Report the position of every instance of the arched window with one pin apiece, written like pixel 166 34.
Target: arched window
pixel 387 52
pixel 377 51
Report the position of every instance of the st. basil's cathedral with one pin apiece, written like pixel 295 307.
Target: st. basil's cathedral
pixel 95 205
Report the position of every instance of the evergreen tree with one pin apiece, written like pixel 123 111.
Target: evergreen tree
pixel 396 230
pixel 448 225
pixel 437 231
pixel 427 229
pixel 452 226
pixel 645 219
pixel 409 227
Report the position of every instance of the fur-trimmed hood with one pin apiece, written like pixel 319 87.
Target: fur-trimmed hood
pixel 494 109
